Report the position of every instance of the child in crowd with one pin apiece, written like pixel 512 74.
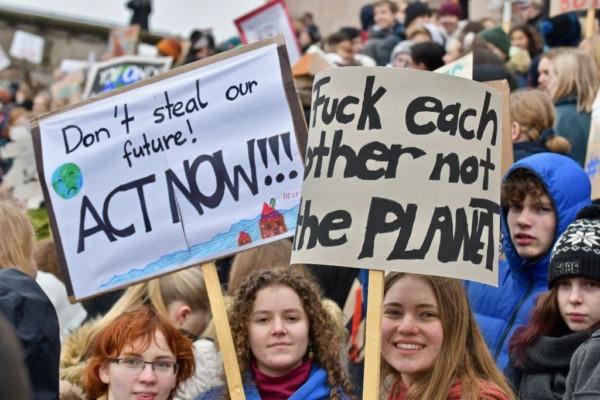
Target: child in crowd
pixel 540 197
pixel 564 317
pixel 288 347
pixel 138 355
pixel 430 344
pixel 385 34
pixel 532 118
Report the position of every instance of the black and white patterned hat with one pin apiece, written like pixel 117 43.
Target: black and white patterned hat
pixel 577 250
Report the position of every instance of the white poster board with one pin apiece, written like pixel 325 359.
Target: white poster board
pixel 404 175
pixel 4 60
pixel 27 46
pixel 267 21
pixel 184 168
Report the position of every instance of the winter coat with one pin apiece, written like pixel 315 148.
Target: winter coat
pixel 583 381
pixel 499 311
pixel 209 371
pixel 488 391
pixel 25 305
pixel 573 125
pixel 544 371
pixel 315 388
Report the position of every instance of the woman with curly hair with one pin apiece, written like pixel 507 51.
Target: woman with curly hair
pixel 138 355
pixel 287 345
pixel 430 344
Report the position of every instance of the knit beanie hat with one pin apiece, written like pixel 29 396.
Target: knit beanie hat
pixel 577 250
pixel 449 8
pixel 561 30
pixel 414 11
pixel 497 37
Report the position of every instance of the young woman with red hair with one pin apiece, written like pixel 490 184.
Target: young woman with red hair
pixel 139 355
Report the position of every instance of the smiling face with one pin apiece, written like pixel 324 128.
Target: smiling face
pixel 127 384
pixel 278 330
pixel 411 332
pixel 532 226
pixel 519 39
pixel 579 302
pixel 383 16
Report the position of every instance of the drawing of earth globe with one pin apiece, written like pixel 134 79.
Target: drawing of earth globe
pixel 67 180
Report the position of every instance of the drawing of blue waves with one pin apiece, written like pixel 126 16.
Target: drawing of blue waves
pixel 220 244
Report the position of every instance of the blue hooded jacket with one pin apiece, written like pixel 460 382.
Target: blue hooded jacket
pixel 315 388
pixel 499 311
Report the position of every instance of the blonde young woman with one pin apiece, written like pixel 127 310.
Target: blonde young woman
pixel 431 346
pixel 571 79
pixel 532 118
pixel 181 297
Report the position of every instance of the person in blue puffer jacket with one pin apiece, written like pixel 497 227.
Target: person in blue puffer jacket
pixel 541 196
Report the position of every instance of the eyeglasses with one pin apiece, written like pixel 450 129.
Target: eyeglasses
pixel 136 365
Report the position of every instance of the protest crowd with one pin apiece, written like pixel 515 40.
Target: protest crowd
pixel 299 330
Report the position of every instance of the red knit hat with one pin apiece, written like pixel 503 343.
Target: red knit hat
pixel 450 8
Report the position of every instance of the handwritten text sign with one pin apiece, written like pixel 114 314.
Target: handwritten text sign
pixel 402 172
pixel 183 169
pixel 563 6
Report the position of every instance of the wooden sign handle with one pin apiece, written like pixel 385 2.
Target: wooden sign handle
pixel 217 306
pixel 590 20
pixel 373 336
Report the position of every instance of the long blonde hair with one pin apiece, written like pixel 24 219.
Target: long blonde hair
pixel 534 112
pixel 463 355
pixel 16 239
pixel 576 75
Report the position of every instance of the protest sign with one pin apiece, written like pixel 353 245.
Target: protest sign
pixel 176 170
pixel 267 21
pixel 22 179
pixel 463 67
pixel 123 41
pixel 563 6
pixel 592 159
pixel 122 71
pixel 27 46
pixel 4 60
pixel 402 173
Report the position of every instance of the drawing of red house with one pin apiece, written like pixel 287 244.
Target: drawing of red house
pixel 244 238
pixel 272 222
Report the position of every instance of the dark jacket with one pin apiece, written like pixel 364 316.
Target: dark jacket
pixel 544 371
pixel 573 125
pixel 315 388
pixel 499 311
pixel 583 381
pixel 24 304
pixel 381 42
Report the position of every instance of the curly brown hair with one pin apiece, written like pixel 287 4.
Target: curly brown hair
pixel 327 345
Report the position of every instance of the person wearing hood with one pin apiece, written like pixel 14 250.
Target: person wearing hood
pixel 540 197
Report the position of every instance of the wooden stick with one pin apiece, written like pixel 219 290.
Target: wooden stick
pixel 373 336
pixel 590 21
pixel 506 15
pixel 217 306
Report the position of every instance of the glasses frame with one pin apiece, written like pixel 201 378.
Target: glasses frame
pixel 119 361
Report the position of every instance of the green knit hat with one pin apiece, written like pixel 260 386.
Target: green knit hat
pixel 497 37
